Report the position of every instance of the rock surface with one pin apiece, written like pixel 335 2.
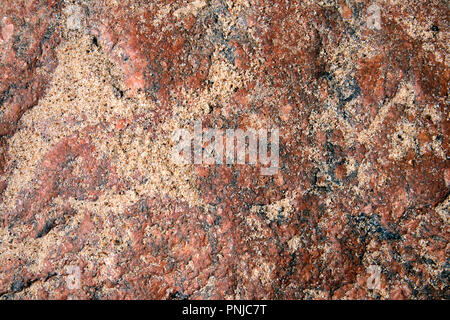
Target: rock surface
pixel 91 92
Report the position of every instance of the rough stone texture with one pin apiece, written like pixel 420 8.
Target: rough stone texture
pixel 86 178
pixel 27 43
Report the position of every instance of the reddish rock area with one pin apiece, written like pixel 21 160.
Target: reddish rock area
pixel 27 43
pixel 357 88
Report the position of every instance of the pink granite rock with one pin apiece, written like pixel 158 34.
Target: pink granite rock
pixel 364 172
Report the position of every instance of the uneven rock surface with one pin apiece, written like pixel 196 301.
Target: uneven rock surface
pixel 91 92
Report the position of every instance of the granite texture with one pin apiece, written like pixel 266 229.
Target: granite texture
pixel 91 91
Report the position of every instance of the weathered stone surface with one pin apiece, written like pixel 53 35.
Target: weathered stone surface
pixel 87 180
pixel 28 39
